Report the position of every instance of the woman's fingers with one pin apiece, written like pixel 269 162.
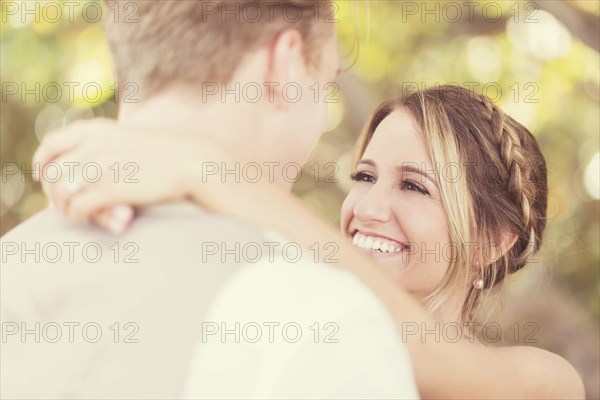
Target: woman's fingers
pixel 115 219
pixel 68 138
pixel 57 163
pixel 83 205
pixel 83 201
pixel 54 145
pixel 66 184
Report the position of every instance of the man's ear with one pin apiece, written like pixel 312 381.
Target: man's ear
pixel 286 63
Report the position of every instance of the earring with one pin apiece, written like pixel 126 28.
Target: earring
pixel 478 283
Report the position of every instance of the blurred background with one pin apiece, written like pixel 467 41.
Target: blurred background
pixel 539 61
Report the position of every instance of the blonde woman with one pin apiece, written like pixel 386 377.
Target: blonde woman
pixel 449 197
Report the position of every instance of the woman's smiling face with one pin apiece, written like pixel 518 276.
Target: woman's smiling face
pixel 394 210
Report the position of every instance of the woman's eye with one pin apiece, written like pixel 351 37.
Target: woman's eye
pixel 413 186
pixel 362 177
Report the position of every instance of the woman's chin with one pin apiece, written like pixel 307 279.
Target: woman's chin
pixel 394 262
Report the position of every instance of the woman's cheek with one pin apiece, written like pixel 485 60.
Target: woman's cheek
pixel 434 247
pixel 422 223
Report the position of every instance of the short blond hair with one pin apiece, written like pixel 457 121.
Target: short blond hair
pixel 196 41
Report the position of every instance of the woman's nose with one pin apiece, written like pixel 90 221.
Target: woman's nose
pixel 374 206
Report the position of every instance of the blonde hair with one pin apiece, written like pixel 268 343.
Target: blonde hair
pixel 503 192
pixel 200 41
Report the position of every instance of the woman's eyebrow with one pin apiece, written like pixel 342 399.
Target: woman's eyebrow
pixel 368 162
pixel 414 168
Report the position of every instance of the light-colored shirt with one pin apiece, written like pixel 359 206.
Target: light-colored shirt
pixel 86 314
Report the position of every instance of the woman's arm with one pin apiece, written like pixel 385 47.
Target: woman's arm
pixel 442 369
pixel 169 168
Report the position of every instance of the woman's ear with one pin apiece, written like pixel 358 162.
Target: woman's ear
pixel 495 248
pixel 286 63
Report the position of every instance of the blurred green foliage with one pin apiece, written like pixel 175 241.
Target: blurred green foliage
pixel 534 65
pixel 534 68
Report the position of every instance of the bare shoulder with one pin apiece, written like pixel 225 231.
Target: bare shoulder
pixel 548 375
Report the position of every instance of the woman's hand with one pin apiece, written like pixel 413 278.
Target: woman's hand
pixel 96 170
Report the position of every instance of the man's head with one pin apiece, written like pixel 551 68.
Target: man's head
pixel 197 41
pixel 195 46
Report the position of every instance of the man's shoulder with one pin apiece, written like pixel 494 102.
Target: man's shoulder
pixel 177 231
pixel 183 215
pixel 34 226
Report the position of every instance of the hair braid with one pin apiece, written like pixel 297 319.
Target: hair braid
pixel 521 187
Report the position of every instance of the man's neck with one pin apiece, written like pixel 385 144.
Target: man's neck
pixel 230 125
pixel 237 127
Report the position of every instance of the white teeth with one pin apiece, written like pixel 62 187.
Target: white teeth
pixel 361 241
pixel 374 243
